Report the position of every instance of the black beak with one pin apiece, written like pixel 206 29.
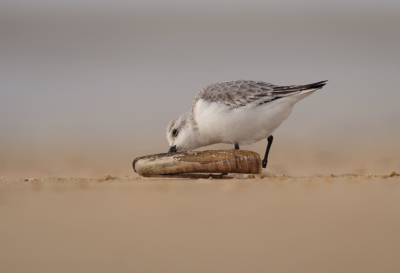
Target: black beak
pixel 172 149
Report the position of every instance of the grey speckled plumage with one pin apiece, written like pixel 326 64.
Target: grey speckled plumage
pixel 244 92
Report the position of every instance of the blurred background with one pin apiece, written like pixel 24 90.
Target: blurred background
pixel 87 86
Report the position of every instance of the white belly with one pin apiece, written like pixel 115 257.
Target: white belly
pixel 218 123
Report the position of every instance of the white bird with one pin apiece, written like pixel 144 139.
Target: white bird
pixel 237 112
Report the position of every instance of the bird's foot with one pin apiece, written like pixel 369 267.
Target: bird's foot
pixel 264 164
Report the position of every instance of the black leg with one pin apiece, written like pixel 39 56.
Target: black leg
pixel 265 160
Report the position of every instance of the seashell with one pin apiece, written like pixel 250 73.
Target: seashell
pixel 190 162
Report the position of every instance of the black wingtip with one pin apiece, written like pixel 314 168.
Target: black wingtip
pixel 316 85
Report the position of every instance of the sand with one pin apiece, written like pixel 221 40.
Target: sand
pixel 347 223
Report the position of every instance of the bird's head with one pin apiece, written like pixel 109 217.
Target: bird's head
pixel 181 134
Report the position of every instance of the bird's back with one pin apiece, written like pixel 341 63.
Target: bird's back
pixel 241 93
pixel 245 112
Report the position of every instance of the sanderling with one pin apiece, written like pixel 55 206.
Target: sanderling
pixel 237 112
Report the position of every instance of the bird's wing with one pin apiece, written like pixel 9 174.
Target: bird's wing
pixel 241 93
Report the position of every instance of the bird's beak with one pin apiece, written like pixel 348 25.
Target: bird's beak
pixel 172 149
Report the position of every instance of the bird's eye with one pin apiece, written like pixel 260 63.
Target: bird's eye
pixel 175 132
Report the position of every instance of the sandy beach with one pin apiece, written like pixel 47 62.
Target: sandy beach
pixel 132 224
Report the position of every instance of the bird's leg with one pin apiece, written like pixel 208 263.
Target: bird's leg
pixel 265 160
pixel 236 148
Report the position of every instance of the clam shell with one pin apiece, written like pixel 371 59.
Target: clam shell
pixel 212 161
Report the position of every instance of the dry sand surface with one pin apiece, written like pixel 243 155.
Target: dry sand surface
pixel 347 223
